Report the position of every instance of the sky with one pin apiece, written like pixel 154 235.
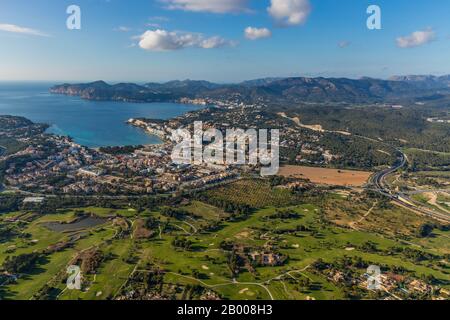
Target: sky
pixel 221 40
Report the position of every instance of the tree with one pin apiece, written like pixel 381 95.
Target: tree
pixel 425 230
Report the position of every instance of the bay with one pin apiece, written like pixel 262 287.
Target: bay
pixel 89 123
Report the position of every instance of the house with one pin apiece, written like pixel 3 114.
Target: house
pixel 33 200
pixel 267 258
pixel 445 292
pixel 419 286
pixel 91 171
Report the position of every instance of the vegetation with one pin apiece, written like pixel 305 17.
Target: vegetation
pixel 10 146
pixel 22 263
pixel 120 150
pixel 248 193
pixel 407 126
pixel 427 160
pixel 184 257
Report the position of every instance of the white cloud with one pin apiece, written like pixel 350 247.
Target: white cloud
pixel 162 40
pixel 22 30
pixel 416 39
pixel 252 33
pixel 123 29
pixel 214 6
pixel 214 42
pixel 290 12
pixel 344 44
pixel 153 25
pixel 159 18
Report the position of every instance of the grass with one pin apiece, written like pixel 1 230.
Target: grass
pixel 205 211
pixel 437 174
pixel 110 276
pixel 326 241
pixel 42 238
pixel 329 246
pixel 420 198
pixel 56 263
pixel 11 145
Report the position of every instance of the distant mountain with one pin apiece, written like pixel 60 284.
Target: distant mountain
pixel 259 82
pixel 182 86
pixel 100 90
pixel 318 90
pixel 298 89
pixel 149 92
pixel 425 81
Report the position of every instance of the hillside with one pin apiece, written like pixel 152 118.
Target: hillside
pixel 100 90
pixel 425 81
pixel 299 89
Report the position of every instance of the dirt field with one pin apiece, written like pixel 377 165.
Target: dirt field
pixel 327 176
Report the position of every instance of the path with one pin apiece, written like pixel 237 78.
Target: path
pixel 354 223
pixel 433 201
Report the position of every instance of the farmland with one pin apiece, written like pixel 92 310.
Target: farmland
pixel 257 194
pixel 327 176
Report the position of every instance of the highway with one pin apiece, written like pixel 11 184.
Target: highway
pixel 378 181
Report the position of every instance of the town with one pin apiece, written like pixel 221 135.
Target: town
pixel 55 165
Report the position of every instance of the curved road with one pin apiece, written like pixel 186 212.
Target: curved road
pixel 377 180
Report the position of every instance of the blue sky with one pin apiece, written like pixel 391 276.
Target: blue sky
pixel 161 40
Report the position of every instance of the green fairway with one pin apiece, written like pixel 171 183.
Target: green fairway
pixel 303 238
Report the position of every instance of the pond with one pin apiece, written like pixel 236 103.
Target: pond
pixel 86 223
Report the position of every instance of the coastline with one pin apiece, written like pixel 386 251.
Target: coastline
pixel 90 123
pixel 151 127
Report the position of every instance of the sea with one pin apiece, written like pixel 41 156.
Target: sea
pixel 89 123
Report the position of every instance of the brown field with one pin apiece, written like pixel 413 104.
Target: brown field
pixel 327 176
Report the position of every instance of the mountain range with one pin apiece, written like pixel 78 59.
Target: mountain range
pixel 298 89
pixel 427 81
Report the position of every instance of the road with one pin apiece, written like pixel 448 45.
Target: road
pixel 120 197
pixel 2 151
pixel 378 181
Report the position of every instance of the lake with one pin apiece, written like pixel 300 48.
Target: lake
pixel 86 223
pixel 89 123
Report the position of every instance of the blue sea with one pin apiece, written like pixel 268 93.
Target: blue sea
pixel 89 123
